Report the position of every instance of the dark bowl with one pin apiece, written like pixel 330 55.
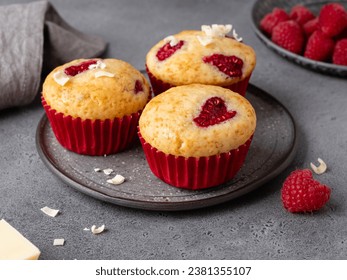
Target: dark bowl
pixel 262 7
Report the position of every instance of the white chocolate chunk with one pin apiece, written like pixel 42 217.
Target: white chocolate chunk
pixel 98 230
pixel 116 180
pixel 61 78
pixel 319 169
pixel 14 246
pixel 172 40
pixel 49 211
pixel 59 242
pixel 103 74
pixel 108 171
pixel 97 169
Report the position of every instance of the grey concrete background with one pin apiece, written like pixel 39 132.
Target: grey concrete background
pixel 255 226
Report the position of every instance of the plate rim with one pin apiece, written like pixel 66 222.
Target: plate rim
pixel 178 205
pixel 324 67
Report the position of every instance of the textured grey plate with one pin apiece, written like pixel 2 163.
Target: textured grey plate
pixel 272 149
pixel 262 7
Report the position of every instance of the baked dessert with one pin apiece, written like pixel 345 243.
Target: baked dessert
pixel 208 56
pixel 94 105
pixel 196 136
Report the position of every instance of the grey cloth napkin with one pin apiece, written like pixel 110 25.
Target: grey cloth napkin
pixel 33 40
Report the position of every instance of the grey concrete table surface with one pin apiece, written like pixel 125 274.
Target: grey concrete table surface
pixel 254 226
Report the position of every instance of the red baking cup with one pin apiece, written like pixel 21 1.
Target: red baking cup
pixel 195 173
pixel 158 86
pixel 92 137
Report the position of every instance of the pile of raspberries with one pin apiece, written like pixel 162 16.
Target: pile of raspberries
pixel 321 38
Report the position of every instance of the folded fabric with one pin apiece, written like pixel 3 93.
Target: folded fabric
pixel 33 40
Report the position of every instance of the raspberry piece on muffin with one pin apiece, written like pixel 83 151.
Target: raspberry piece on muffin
pixel 229 65
pixel 73 70
pixel 213 112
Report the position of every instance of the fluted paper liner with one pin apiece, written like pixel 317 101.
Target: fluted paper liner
pixel 92 137
pixel 158 86
pixel 195 173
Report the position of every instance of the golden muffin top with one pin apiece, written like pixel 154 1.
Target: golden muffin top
pixel 197 120
pixel 204 57
pixel 96 89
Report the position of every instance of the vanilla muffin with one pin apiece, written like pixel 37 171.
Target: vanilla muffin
pixel 94 105
pixel 196 136
pixel 204 57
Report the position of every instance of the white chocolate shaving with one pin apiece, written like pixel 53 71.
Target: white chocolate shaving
pixel 216 30
pixel 103 74
pixel 116 180
pixel 172 40
pixel 98 65
pixel 236 36
pixel 49 211
pixel 108 171
pixel 205 40
pixel 60 78
pixel 98 230
pixel 319 169
pixel 58 242
pixel 86 229
pixel 97 169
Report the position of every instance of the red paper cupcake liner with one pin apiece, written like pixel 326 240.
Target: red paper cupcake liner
pixel 195 173
pixel 92 137
pixel 158 86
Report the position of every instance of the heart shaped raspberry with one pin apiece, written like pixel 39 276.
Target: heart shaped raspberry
pixel 301 193
pixel 229 65
pixel 77 69
pixel 167 50
pixel 214 111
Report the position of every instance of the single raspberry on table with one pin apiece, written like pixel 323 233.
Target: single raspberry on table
pixel 340 52
pixel 289 35
pixel 332 19
pixel 319 46
pixel 301 193
pixel 311 26
pixel 301 14
pixel 270 20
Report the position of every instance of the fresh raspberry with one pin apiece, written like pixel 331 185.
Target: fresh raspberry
pixel 301 14
pixel 229 65
pixel 270 20
pixel 301 193
pixel 311 26
pixel 167 50
pixel 319 46
pixel 340 52
pixel 332 19
pixel 214 111
pixel 289 35
pixel 77 69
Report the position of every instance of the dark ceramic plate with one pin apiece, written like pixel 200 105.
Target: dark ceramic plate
pixel 262 7
pixel 272 150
